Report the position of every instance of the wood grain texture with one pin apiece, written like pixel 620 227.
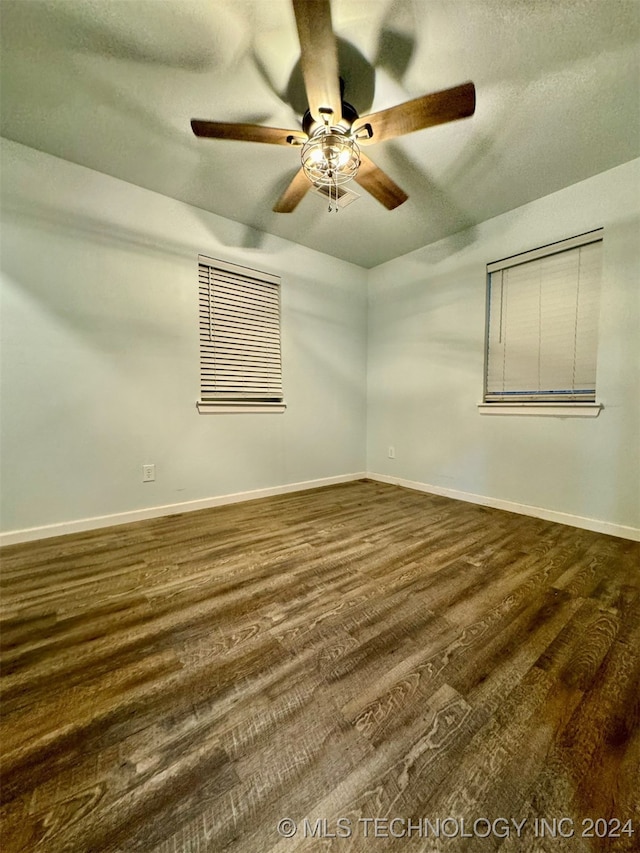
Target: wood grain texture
pixel 379 184
pixel 245 132
pixel 294 193
pixel 318 57
pixel 357 651
pixel 419 113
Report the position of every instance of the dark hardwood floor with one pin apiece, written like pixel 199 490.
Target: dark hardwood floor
pixel 468 677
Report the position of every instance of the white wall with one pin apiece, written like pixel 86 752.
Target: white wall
pixel 99 370
pixel 426 356
pixel 100 352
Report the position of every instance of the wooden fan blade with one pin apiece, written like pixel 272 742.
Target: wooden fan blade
pixel 246 132
pixel 293 194
pixel 427 111
pixel 379 184
pixel 319 58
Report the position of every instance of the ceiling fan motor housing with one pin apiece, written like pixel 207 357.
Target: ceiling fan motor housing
pixel 349 114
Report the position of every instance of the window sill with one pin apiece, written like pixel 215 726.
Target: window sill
pixel 558 410
pixel 208 407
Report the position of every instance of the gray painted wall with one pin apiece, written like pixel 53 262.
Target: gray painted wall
pixel 426 357
pixel 100 351
pixel 100 357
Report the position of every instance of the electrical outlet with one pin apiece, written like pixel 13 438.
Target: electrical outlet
pixel 148 473
pixel 392 452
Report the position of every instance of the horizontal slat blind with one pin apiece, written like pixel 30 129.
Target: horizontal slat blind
pixel 239 333
pixel 543 323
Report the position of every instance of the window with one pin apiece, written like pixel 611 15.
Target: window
pixel 240 364
pixel 543 329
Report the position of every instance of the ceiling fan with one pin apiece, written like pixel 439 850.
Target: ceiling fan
pixel 332 131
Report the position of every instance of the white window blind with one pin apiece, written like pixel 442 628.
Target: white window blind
pixel 240 358
pixel 543 323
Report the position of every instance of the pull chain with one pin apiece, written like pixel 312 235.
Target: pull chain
pixel 333 193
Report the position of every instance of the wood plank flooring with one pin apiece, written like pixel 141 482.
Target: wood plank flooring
pixel 331 657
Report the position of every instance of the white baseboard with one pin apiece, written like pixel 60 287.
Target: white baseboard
pixel 13 537
pixel 594 524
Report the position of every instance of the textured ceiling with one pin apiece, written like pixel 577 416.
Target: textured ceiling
pixel 112 84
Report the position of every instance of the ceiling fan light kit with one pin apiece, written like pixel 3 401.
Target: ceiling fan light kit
pixel 332 129
pixel 330 158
